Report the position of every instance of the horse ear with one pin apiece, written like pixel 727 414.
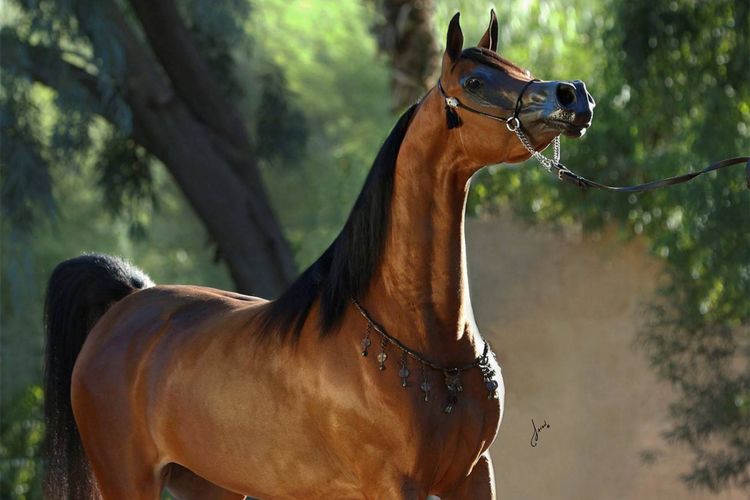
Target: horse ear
pixel 489 39
pixel 455 39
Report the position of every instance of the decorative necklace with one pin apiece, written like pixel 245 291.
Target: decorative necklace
pixel 452 376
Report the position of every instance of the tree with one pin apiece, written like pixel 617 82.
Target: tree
pixel 672 85
pixel 160 74
pixel 700 339
pixel 405 35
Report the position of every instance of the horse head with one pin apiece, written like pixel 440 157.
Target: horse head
pixel 487 98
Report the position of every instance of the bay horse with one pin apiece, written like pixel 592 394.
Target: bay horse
pixel 367 378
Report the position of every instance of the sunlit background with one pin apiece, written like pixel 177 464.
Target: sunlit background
pixel 317 85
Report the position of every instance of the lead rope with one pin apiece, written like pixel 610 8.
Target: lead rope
pixel 553 165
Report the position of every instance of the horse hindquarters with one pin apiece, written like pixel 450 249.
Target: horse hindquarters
pixel 79 292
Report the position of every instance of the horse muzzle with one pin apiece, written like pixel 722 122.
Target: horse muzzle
pixel 565 106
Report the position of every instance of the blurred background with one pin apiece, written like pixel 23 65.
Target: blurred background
pixel 222 143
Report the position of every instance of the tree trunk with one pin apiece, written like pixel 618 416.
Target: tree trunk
pixel 185 121
pixel 405 35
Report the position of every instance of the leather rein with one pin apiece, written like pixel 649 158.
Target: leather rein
pixel 513 124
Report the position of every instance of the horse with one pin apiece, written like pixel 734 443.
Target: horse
pixel 366 378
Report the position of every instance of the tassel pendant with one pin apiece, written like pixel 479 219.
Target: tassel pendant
pixel 488 375
pixel 383 355
pixel 425 384
pixel 452 400
pixel 366 343
pixel 453 380
pixel 492 386
pixel 404 371
pixel 454 386
pixel 451 115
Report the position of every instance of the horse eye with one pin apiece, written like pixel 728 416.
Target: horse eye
pixel 473 84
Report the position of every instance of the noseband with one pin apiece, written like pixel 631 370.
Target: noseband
pixel 512 123
pixel 553 165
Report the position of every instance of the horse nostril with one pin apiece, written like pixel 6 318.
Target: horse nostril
pixel 566 94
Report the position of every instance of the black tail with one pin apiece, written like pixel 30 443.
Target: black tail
pixel 79 292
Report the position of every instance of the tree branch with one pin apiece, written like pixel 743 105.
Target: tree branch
pixel 222 184
pixel 406 37
pixel 193 81
pixel 191 77
pixel 45 65
pixel 227 195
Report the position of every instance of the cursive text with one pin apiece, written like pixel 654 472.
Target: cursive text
pixel 537 430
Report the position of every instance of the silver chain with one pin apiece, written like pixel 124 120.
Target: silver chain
pixel 547 163
pixel 452 375
pixel 371 324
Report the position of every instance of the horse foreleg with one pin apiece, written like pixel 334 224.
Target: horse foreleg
pixel 479 485
pixel 184 484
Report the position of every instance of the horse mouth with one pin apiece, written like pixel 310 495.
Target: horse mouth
pixel 569 128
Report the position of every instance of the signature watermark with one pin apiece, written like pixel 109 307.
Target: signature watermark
pixel 537 430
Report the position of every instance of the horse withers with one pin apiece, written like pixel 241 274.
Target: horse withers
pixel 367 378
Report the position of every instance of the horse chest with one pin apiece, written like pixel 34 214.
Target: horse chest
pixel 420 440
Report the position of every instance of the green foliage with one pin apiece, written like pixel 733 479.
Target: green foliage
pixel 125 172
pixel 217 27
pixel 26 188
pixel 69 47
pixel 335 75
pixel 21 435
pixel 48 43
pixel 281 128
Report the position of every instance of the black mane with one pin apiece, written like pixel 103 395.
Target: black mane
pixel 345 269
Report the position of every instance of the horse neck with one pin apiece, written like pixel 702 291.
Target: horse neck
pixel 420 291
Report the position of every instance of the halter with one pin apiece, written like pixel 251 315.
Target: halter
pixel 512 123
pixel 553 165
